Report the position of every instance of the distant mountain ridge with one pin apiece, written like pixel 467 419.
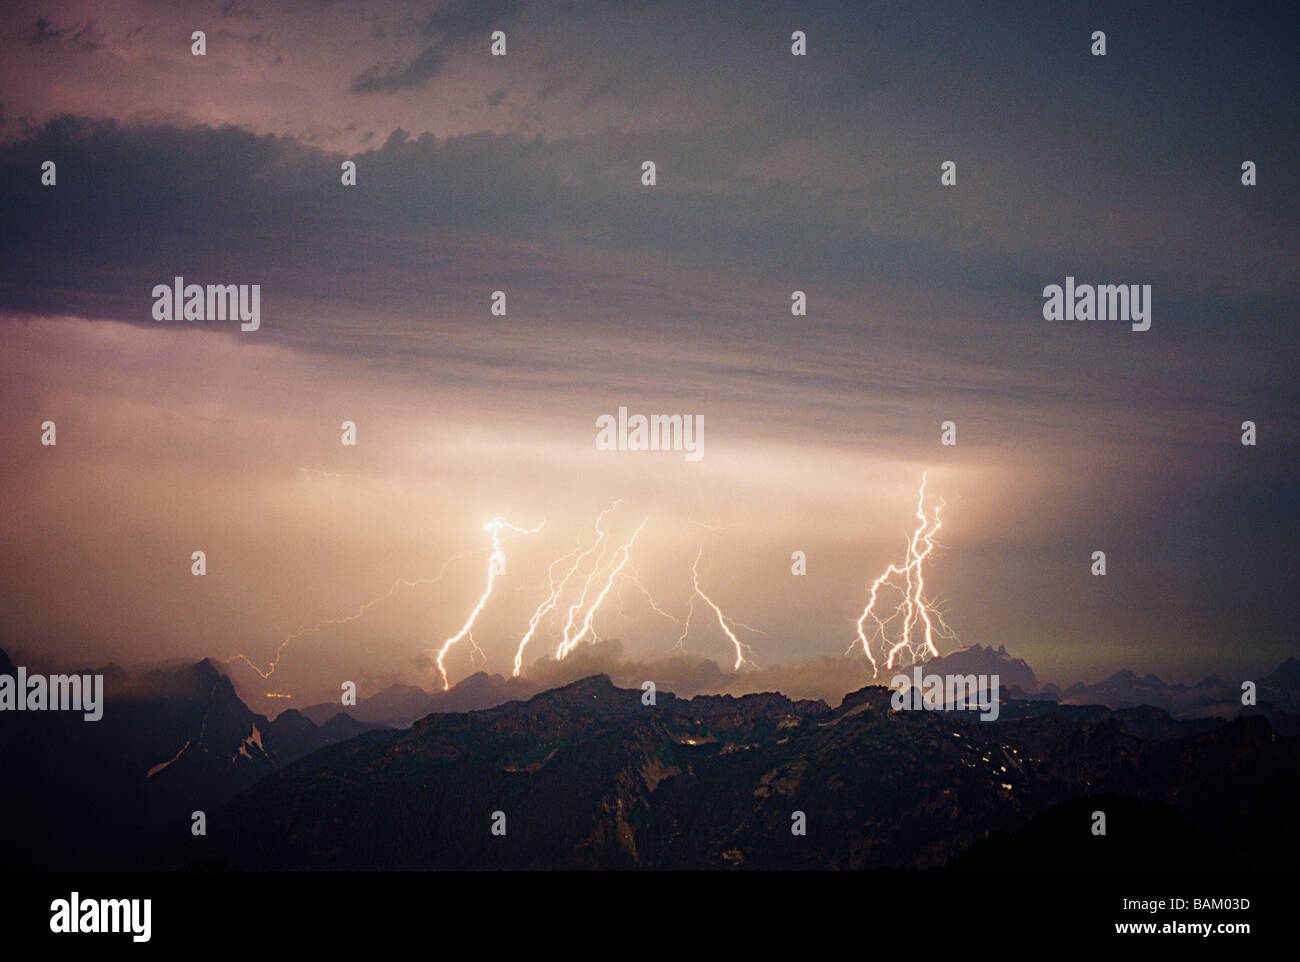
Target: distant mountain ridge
pixel 1277 694
pixel 398 706
pixel 1211 696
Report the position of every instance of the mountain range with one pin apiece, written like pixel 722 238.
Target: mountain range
pixel 589 775
pixel 397 706
pixel 1276 694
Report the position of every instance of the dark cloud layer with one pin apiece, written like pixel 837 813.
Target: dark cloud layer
pixel 451 26
pixel 407 76
pixel 84 37
pixel 148 186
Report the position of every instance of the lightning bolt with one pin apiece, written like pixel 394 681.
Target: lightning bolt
pixel 324 623
pixel 591 579
pixel 716 529
pixel 569 643
pixel 686 626
pixel 739 645
pixel 635 578
pixel 919 616
pixel 907 633
pixel 556 591
pixel 329 474
pixel 494 564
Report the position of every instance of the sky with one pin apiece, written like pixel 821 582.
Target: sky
pixel 523 173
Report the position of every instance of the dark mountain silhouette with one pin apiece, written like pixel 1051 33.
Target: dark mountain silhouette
pixel 1277 694
pixel 587 776
pixel 1015 676
pixel 169 741
pixel 1286 676
pixel 1140 836
pixel 1153 724
pixel 395 706
pixel 399 705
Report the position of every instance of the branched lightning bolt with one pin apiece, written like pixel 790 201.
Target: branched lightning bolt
pixel 329 474
pixel 716 529
pixel 613 569
pixel 635 578
pixel 740 646
pixel 553 598
pixel 365 606
pixel 574 608
pixel 494 526
pixel 919 615
pixel 686 625
pixel 907 633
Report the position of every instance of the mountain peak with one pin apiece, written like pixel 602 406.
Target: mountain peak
pixel 593 692
pixel 594 685
pixel 978 659
pixel 1287 674
pixel 208 669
